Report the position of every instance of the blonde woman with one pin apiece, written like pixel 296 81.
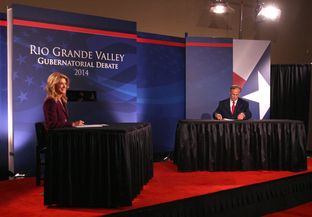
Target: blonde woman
pixel 54 107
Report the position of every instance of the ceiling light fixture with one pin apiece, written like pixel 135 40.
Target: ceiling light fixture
pixel 268 12
pixel 219 6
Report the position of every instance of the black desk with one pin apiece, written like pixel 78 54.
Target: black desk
pixel 97 167
pixel 240 145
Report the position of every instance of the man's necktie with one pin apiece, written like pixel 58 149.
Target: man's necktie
pixel 233 107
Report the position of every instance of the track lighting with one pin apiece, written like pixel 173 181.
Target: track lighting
pixel 268 11
pixel 219 6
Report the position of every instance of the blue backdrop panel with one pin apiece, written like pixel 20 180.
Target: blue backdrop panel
pixel 3 99
pixel 161 87
pixel 107 67
pixel 66 18
pixel 209 68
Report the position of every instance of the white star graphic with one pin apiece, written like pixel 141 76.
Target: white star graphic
pixel 43 85
pixel 261 96
pixel 15 75
pixel 21 59
pixel 23 96
pixel 29 81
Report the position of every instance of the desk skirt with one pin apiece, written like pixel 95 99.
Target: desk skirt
pixel 240 145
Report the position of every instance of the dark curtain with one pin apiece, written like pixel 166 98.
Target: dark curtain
pixel 290 92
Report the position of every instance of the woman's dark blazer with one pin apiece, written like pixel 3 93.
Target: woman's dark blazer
pixel 55 114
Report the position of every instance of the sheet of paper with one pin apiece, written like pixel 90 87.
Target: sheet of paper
pixel 92 125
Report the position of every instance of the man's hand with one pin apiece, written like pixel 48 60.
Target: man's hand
pixel 241 116
pixel 218 116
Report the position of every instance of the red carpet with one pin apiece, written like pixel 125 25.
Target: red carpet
pixel 23 198
pixel 304 210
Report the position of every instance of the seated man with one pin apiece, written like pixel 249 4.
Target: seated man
pixel 233 107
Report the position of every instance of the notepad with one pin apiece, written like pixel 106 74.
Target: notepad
pixel 92 125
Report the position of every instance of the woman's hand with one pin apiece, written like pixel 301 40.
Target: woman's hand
pixel 78 123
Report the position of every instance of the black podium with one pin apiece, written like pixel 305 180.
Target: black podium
pixel 97 167
pixel 240 145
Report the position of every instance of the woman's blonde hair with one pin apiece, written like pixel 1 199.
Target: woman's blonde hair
pixel 52 81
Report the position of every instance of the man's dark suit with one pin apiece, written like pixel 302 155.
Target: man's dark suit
pixel 55 114
pixel 225 111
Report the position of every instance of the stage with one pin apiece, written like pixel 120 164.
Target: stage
pixel 173 193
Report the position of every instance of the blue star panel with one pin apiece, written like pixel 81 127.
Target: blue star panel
pixel 3 100
pixel 93 57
